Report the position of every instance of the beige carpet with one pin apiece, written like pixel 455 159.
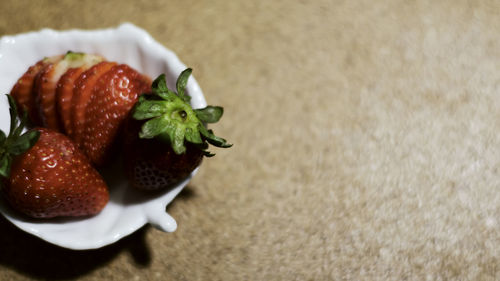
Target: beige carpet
pixel 366 143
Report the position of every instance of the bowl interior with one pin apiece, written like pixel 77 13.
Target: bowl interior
pixel 128 209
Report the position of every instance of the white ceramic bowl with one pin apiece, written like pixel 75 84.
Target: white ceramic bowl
pixel 128 209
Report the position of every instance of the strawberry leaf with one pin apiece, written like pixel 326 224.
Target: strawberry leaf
pixel 169 117
pixel 203 147
pixel 17 131
pixel 5 166
pixel 154 127
pixel 213 139
pixel 193 136
pixel 13 114
pixel 160 84
pixel 168 95
pixel 15 144
pixel 208 153
pixel 209 114
pixel 178 141
pixel 182 83
pixel 148 109
pixel 2 137
pixel 24 142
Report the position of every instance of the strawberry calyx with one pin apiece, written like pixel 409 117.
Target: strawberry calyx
pixel 170 117
pixel 15 143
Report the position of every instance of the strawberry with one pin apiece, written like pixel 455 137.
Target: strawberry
pixel 43 92
pixel 166 138
pixel 45 89
pixel 113 97
pixel 22 92
pixel 76 64
pixel 64 95
pixel 45 175
pixel 84 88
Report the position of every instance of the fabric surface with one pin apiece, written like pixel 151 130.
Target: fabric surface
pixel 365 135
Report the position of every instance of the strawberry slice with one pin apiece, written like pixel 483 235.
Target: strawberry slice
pixel 84 87
pixel 44 84
pixel 22 92
pixel 44 91
pixel 114 95
pixel 48 79
pixel 64 94
pixel 74 64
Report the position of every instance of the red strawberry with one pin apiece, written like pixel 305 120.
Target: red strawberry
pixel 150 164
pixel 64 94
pixel 22 92
pixel 74 65
pixel 46 176
pixel 45 89
pixel 44 92
pixel 113 97
pixel 170 139
pixel 84 88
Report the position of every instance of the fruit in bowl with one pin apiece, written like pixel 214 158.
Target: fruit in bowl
pixel 128 208
pixel 45 175
pixel 166 138
pixel 81 105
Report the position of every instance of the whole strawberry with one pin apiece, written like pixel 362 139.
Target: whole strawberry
pixel 45 175
pixel 166 139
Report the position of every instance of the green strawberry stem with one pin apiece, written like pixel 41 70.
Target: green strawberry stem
pixel 169 117
pixel 15 143
pixel 72 56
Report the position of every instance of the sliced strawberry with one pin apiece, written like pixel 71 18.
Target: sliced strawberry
pixel 64 94
pixel 75 65
pixel 115 94
pixel 43 84
pixel 22 92
pixel 48 79
pixel 45 87
pixel 84 87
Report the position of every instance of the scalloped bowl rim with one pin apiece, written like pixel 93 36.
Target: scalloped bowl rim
pixel 136 208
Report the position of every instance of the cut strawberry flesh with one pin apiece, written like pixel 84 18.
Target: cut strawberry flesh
pixel 83 91
pixel 43 85
pixel 45 88
pixel 64 94
pixel 114 95
pixel 22 92
pixel 49 78
pixel 73 65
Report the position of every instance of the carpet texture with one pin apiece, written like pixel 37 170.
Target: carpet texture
pixel 365 133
